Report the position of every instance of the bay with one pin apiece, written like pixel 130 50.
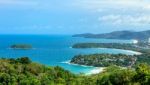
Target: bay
pixel 55 50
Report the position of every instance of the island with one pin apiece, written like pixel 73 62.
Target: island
pixel 21 46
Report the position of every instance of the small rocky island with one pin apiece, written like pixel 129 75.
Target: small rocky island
pixel 21 46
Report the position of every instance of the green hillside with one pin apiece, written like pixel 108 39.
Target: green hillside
pixel 23 71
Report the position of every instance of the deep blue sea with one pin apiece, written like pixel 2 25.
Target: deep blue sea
pixel 54 50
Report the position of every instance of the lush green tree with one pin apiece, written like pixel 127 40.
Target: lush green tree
pixel 122 77
pixel 24 60
pixel 14 72
pixel 143 74
pixel 104 80
pixel 4 78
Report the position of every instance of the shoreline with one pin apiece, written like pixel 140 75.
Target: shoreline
pixel 130 51
pixel 134 52
pixel 68 62
pixel 95 70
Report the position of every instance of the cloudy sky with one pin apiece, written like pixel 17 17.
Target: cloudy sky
pixel 73 16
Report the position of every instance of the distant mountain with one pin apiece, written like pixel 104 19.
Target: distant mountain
pixel 142 35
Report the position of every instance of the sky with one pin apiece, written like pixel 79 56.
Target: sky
pixel 73 16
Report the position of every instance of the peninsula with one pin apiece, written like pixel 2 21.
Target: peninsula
pixel 142 35
pixel 104 60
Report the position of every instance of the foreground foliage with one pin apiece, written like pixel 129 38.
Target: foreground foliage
pixel 22 71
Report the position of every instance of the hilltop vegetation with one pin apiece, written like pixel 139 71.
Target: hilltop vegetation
pixel 23 71
pixel 117 76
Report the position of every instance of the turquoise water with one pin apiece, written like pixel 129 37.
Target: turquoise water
pixel 53 50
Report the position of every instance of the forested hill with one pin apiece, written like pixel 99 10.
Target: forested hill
pixel 22 71
pixel 142 35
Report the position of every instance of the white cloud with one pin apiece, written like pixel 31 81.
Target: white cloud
pixel 122 12
pixel 90 5
pixel 96 5
pixel 126 19
pixel 107 8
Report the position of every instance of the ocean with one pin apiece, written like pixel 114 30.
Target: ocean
pixel 55 50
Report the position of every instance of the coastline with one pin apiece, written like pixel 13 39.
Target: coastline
pixel 68 62
pixel 130 51
pixel 95 70
pixel 134 52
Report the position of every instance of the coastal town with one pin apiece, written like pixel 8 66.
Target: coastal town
pixel 142 47
pixel 145 44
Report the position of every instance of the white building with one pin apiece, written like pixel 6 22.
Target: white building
pixel 149 40
pixel 135 41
